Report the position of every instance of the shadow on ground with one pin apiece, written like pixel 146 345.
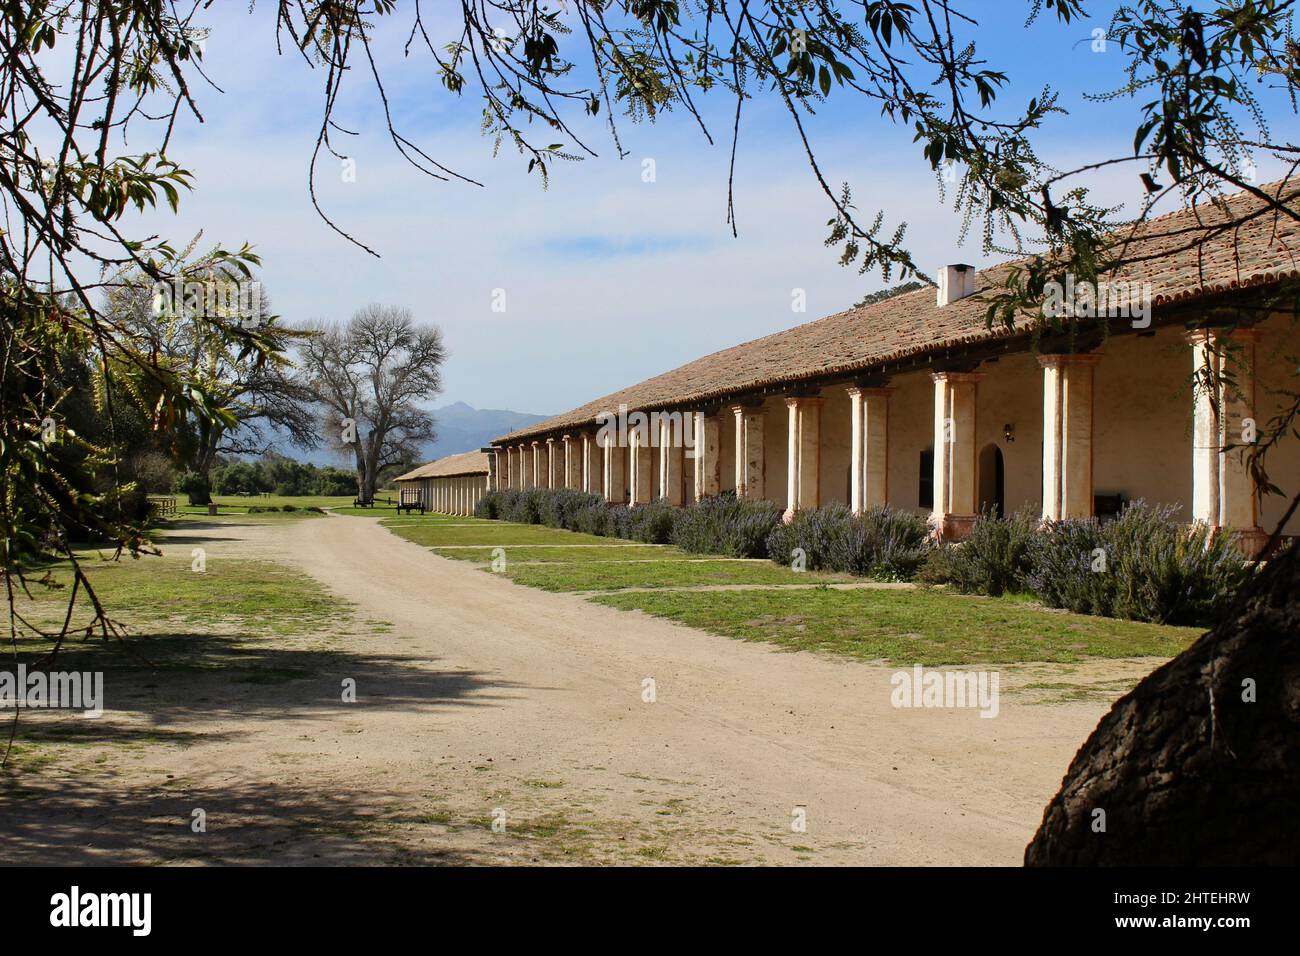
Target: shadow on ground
pixel 171 679
pixel 96 820
pixel 72 793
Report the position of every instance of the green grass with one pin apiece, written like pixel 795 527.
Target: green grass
pixel 493 534
pixel 610 575
pixel 340 504
pixel 153 593
pixel 191 640
pixel 909 626
pixel 234 517
pixel 902 625
pixel 560 554
pixel 427 520
pixel 239 504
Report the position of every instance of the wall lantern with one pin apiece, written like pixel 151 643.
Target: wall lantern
pixel 1009 432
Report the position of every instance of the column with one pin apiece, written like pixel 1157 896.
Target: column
pixel 550 465
pixel 572 463
pixel 641 463
pixel 494 468
pixel 535 471
pixel 750 466
pixel 1067 435
pixel 869 468
pixel 615 482
pixel 592 465
pixel 670 460
pixel 708 454
pixel 803 447
pixel 954 453
pixel 1223 490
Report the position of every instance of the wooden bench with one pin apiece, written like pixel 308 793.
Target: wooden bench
pixel 410 501
pixel 163 505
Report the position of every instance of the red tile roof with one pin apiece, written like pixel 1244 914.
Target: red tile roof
pixel 453 466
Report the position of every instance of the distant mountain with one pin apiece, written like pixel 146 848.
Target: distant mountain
pixel 461 427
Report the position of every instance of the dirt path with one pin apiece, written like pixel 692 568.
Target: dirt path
pixel 499 700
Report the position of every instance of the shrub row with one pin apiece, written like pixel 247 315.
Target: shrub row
pixel 653 523
pixel 882 543
pixel 1145 565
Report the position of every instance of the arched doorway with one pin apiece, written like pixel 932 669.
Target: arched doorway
pixel 991 480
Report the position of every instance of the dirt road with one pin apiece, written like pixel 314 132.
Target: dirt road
pixel 488 701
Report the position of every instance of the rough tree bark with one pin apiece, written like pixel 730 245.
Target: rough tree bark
pixel 1187 769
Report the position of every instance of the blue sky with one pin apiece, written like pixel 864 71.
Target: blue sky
pixel 608 279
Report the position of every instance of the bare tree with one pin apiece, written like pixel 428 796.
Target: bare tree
pixel 371 376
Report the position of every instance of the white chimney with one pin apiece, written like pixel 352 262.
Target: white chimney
pixel 955 282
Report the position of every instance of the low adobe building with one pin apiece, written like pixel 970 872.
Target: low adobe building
pixel 917 403
pixel 451 485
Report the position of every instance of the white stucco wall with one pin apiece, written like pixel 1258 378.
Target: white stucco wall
pixel 1141 425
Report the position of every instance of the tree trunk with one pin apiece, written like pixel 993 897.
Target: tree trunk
pixel 1200 763
pixel 370 472
pixel 202 495
pixel 361 470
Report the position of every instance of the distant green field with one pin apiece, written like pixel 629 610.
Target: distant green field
pixel 239 504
